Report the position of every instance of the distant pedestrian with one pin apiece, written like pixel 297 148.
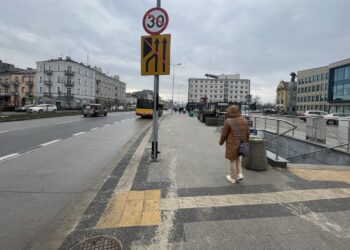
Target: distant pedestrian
pixel 235 129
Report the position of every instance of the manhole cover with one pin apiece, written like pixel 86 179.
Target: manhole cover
pixel 99 243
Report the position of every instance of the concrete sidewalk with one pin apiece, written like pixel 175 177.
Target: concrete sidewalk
pixel 183 201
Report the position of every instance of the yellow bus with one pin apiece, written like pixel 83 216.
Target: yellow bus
pixel 144 108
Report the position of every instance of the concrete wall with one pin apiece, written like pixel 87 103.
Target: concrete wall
pixel 290 147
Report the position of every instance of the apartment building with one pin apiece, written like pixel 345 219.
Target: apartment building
pixel 312 91
pixel 70 84
pixel 131 99
pixel 16 86
pixel 110 91
pixel 221 88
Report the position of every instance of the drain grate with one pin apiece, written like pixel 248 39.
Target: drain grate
pixel 99 243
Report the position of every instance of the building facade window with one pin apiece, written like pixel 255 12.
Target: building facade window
pixel 340 84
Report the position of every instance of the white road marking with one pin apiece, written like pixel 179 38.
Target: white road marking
pixel 106 125
pixel 115 122
pixel 8 156
pixel 61 123
pixel 1 132
pixel 93 129
pixel 80 133
pixel 122 120
pixel 50 142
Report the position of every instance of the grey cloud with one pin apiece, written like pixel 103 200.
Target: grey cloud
pixel 261 40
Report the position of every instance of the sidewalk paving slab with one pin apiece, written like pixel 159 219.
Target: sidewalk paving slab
pixel 190 204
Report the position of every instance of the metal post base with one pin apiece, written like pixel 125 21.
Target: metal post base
pixel 155 151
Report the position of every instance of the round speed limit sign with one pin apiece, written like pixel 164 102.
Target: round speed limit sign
pixel 155 21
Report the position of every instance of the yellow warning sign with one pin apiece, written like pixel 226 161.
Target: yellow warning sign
pixel 155 55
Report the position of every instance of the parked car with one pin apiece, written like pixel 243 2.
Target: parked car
pixel 42 108
pixel 269 112
pixel 24 108
pixel 313 113
pixel 93 109
pixel 332 119
pixel 120 107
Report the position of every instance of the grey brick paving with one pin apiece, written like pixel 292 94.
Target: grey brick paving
pixel 192 165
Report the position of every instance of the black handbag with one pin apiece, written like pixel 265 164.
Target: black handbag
pixel 243 148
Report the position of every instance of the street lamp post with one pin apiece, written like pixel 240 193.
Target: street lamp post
pixel 172 91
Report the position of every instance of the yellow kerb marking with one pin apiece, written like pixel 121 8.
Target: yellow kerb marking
pixel 133 208
pixel 322 175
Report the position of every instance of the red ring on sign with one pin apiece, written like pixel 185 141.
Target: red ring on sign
pixel 165 24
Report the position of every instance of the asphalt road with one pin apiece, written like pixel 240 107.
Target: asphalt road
pixel 22 136
pixel 45 189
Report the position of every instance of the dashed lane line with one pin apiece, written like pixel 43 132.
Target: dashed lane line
pixel 1 132
pixel 6 157
pixel 93 129
pixel 50 142
pixel 63 122
pixel 80 133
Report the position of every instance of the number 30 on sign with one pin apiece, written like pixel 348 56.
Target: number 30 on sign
pixel 155 21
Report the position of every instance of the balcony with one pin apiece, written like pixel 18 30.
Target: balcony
pixel 69 97
pixel 48 72
pixel 48 94
pixel 5 84
pixel 69 73
pixel 15 93
pixel 30 83
pixel 48 83
pixel 15 83
pixel 69 84
pixel 97 89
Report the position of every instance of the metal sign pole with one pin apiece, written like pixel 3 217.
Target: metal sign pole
pixel 155 112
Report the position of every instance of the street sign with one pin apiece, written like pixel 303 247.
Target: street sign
pixel 155 55
pixel 155 21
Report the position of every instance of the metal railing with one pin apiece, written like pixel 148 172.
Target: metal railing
pixel 318 151
pixel 48 83
pixel 48 72
pixel 69 73
pixel 261 123
pixel 279 130
pixel 69 84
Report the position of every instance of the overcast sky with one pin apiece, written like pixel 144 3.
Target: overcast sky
pixel 263 40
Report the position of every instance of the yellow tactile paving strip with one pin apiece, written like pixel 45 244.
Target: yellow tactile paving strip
pixel 321 175
pixel 133 208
